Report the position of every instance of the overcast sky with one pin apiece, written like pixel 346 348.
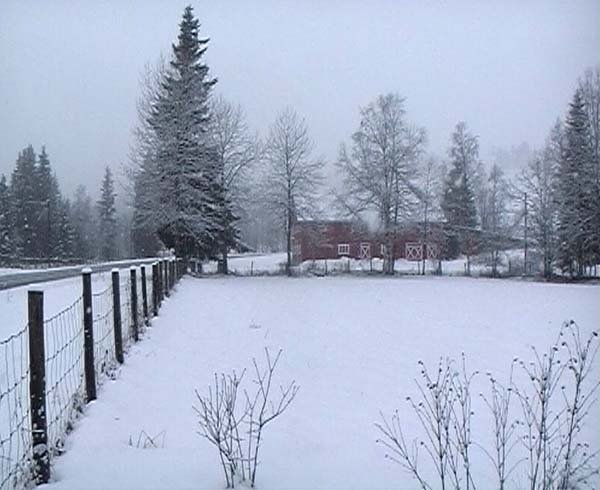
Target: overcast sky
pixel 69 70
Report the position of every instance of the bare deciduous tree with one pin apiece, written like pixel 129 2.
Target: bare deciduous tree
pixel 380 168
pixel 236 150
pixel 538 182
pixel 292 177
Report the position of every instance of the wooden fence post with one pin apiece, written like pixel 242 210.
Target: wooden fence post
pixel 155 289
pixel 88 336
pixel 37 387
pixel 167 284
pixel 118 332
pixel 134 304
pixel 160 290
pixel 173 276
pixel 144 295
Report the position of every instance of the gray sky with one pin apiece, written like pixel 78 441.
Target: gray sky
pixel 69 70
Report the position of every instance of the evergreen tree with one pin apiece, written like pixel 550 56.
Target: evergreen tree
pixel 65 231
pixel 458 201
pixel 83 223
pixel 575 193
pixel 48 205
pixel 182 172
pixel 6 231
pixel 26 204
pixel 107 223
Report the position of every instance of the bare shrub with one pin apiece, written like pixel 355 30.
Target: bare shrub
pixel 543 419
pixel 235 429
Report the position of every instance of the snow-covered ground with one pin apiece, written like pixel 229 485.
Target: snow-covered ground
pixel 351 343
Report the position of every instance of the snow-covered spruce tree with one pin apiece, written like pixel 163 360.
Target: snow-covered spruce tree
pixel 575 193
pixel 25 203
pixel 589 86
pixel 380 168
pixel 142 165
pixel 538 182
pixel 6 225
pixel 458 203
pixel 49 202
pixel 107 224
pixel 292 177
pixel 182 169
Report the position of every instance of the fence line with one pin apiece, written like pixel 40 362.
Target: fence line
pixel 15 438
pixel 59 346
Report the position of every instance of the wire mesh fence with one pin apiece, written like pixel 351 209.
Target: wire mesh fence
pixel 15 437
pixel 126 316
pixel 104 339
pixel 65 372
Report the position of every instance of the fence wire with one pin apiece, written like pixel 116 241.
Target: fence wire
pixel 126 316
pixel 65 384
pixel 105 359
pixel 15 436
pixel 65 374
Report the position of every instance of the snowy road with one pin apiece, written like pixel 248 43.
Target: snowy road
pixel 9 279
pixel 352 344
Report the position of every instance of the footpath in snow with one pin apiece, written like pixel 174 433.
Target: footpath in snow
pixel 352 344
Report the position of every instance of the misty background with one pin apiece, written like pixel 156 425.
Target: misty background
pixel 70 71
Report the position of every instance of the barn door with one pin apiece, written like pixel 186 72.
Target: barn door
pixel 414 251
pixel 365 250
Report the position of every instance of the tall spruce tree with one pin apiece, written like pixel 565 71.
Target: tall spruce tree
pixel 6 229
pixel 575 193
pixel 49 209
pixel 26 204
pixel 458 201
pixel 107 223
pixel 184 208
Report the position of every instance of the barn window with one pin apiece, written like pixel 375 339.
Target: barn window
pixel 343 249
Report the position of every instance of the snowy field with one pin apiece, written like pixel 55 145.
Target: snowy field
pixel 352 344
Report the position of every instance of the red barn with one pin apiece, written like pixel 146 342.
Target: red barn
pixel 314 240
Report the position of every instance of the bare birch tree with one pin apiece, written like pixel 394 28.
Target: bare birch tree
pixel 292 177
pixel 380 168
pixel 236 150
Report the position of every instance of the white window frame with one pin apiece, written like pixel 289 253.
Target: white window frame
pixel 343 249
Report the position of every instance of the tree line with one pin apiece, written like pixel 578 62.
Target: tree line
pixel 200 182
pixel 38 222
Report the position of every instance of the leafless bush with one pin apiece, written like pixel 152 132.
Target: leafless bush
pixel 553 405
pixel 554 408
pixel 236 432
pixel 444 413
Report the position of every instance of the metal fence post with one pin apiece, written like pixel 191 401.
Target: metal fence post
pixel 144 295
pixel 37 387
pixel 118 332
pixel 155 289
pixel 88 336
pixel 134 304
